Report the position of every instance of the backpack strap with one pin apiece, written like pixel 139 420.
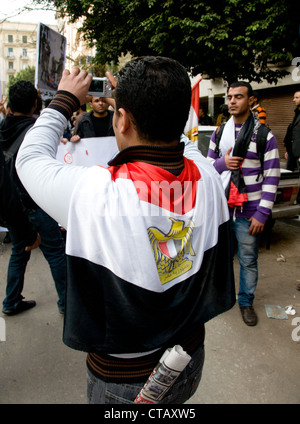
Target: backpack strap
pixel 218 135
pixel 11 153
pixel 14 147
pixel 261 141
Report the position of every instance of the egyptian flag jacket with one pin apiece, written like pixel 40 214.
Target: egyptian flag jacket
pixel 149 256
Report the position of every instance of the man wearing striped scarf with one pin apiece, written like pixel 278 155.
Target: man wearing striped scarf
pixel 237 161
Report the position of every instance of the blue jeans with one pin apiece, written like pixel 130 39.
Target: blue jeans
pixel 53 248
pixel 100 392
pixel 247 254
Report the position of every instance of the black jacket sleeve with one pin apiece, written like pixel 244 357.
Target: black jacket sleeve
pixel 287 141
pixel 12 215
pixel 296 136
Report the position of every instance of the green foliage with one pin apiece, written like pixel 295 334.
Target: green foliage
pixel 26 74
pixel 93 67
pixel 221 38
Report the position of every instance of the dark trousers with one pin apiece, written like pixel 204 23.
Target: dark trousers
pixel 53 248
pixel 293 164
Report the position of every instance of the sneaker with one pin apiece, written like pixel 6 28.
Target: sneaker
pixel 21 307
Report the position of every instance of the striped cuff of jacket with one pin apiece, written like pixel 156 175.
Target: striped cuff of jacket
pixel 65 103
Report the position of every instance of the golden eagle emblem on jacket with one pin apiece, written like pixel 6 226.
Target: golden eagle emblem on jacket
pixel 170 250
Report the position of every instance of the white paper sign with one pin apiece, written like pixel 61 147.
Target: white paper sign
pixel 88 151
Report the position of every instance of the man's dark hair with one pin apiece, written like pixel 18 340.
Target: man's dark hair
pixel 22 96
pixel 156 91
pixel 242 84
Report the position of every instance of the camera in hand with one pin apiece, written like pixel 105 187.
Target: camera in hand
pixel 100 87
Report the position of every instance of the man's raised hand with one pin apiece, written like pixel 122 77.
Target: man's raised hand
pixel 76 82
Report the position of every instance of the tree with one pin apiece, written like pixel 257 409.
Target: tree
pixel 232 39
pixel 89 63
pixel 26 74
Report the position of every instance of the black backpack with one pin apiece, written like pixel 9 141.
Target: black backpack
pixel 11 153
pixel 10 158
pixel 261 140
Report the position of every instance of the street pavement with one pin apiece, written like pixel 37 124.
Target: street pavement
pixel 244 365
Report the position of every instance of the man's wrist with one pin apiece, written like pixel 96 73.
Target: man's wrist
pixel 65 103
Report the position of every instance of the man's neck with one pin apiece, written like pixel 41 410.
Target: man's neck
pixel 28 115
pixel 241 118
pixel 100 115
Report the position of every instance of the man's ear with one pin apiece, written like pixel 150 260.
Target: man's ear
pixel 124 121
pixel 33 107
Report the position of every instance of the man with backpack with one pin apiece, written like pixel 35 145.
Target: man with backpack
pixel 23 98
pixel 12 215
pixel 250 171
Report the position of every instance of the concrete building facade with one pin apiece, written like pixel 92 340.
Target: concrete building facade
pixel 17 49
pixel 76 46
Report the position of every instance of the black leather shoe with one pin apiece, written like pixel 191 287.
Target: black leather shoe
pixel 21 307
pixel 7 239
pixel 249 315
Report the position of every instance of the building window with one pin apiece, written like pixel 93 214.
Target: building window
pixel 24 66
pixel 24 39
pixel 10 66
pixel 10 38
pixel 10 52
pixel 24 53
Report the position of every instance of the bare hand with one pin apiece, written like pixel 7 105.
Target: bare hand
pixel 256 226
pixel 76 82
pixel 232 162
pixel 36 244
pixel 75 138
pixel 2 102
pixel 113 81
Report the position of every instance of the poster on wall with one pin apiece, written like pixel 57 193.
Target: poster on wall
pixel 51 56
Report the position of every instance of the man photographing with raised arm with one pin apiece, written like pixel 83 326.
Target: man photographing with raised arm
pixel 148 247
